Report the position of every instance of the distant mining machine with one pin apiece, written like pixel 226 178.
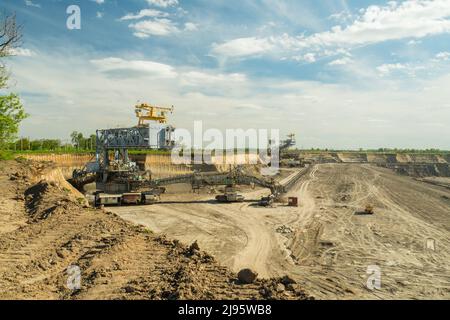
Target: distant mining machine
pixel 288 143
pixel 290 158
pixel 369 209
pixel 284 144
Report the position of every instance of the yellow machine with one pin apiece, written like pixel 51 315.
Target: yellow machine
pixel 369 209
pixel 147 112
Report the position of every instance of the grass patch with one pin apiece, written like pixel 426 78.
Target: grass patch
pixel 6 155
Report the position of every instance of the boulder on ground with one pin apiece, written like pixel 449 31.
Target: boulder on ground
pixel 194 247
pixel 287 280
pixel 247 276
pixel 280 287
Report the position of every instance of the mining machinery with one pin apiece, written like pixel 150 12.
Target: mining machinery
pixel 229 179
pixel 112 170
pixel 139 190
pixel 369 209
pixel 120 181
pixel 290 158
pixel 288 143
pixel 146 112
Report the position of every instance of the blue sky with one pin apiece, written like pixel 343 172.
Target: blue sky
pixel 340 74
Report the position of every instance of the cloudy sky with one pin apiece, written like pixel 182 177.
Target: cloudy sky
pixel 339 74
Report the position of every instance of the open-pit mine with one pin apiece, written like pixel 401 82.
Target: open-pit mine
pixel 305 157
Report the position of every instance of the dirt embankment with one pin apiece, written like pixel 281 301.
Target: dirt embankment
pixel 161 165
pixel 422 170
pixel 46 230
pixel 415 165
pixel 65 162
pixel 371 157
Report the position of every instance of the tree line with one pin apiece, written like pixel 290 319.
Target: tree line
pixel 77 142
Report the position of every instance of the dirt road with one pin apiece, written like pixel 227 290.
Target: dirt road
pixel 323 244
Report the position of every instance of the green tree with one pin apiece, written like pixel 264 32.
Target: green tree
pixel 51 144
pixel 92 141
pixel 22 144
pixel 11 114
pixel 10 38
pixel 11 109
pixel 77 139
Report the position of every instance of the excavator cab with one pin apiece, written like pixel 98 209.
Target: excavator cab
pixel 146 112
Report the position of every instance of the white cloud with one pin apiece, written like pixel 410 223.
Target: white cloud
pixel 99 1
pixel 409 19
pixel 144 13
pixel 309 57
pixel 22 52
pixel 186 77
pixel 160 25
pixel 340 62
pixel 443 56
pixel 189 26
pixel 156 27
pixel 30 3
pixel 100 14
pixel 341 17
pixel 242 47
pixel 427 69
pixel 414 42
pixel 198 78
pixel 387 68
pixel 146 67
pixel 163 3
pixel 249 106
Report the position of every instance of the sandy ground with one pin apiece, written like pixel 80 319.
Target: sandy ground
pixel 323 243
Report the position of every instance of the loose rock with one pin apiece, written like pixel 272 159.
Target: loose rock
pixel 247 276
pixel 288 280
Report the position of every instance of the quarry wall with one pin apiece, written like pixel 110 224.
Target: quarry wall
pixel 161 165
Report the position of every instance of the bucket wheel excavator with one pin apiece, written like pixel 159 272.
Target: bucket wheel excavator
pixel 117 178
pixel 231 179
pixel 120 181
